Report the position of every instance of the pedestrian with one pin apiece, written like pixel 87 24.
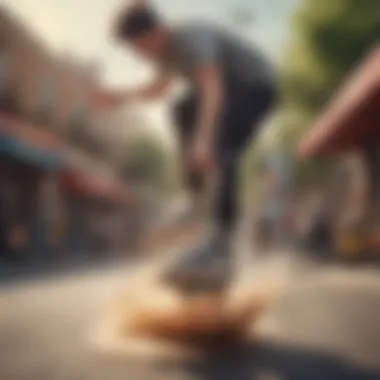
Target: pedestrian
pixel 232 87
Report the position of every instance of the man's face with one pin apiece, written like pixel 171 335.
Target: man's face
pixel 150 45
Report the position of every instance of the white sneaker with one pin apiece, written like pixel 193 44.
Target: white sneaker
pixel 208 267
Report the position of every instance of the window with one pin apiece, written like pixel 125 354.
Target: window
pixel 373 167
pixel 8 98
pixel 80 132
pixel 80 117
pixel 3 69
pixel 78 124
pixel 48 97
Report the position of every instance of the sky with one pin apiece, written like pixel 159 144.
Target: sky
pixel 82 27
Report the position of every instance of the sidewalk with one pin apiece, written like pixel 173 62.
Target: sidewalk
pixel 155 253
pixel 10 273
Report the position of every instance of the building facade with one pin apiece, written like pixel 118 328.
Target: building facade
pixel 58 179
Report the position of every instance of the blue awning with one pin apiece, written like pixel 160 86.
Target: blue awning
pixel 29 154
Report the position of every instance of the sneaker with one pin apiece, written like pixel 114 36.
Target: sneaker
pixel 208 267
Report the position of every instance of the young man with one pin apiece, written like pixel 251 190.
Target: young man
pixel 232 88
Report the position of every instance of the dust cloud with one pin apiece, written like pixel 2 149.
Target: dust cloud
pixel 152 320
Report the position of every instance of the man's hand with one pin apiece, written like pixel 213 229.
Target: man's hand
pixel 211 100
pixel 157 89
pixel 110 99
pixel 202 158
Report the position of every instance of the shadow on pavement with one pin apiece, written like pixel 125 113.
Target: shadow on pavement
pixel 275 362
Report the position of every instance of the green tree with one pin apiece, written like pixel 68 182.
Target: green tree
pixel 330 38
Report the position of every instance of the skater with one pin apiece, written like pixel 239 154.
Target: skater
pixel 232 87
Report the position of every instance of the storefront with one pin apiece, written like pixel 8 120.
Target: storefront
pixel 349 131
pixel 30 161
pixel 275 191
pixel 97 209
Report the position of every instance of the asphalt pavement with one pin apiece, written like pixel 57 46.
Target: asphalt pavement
pixel 325 326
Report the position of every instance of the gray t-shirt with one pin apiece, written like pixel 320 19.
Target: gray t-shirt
pixel 199 45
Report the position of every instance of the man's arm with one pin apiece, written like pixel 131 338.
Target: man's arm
pixel 204 51
pixel 210 82
pixel 155 90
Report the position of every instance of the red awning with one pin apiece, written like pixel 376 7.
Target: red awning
pixel 24 130
pixel 24 142
pixel 93 186
pixel 350 115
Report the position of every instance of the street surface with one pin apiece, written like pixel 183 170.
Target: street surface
pixel 326 326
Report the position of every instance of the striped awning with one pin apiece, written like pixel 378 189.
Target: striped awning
pixel 23 142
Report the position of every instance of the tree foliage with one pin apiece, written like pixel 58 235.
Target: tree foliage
pixel 329 39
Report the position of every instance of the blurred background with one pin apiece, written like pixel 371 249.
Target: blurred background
pixel 78 183
pixel 80 186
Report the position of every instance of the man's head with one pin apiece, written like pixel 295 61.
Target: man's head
pixel 143 29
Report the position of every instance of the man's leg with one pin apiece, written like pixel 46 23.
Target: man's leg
pixel 196 186
pixel 243 115
pixel 226 201
pixel 184 117
pixel 210 266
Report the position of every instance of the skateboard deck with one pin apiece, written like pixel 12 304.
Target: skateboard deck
pixel 155 321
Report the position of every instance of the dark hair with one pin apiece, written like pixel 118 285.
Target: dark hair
pixel 133 23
